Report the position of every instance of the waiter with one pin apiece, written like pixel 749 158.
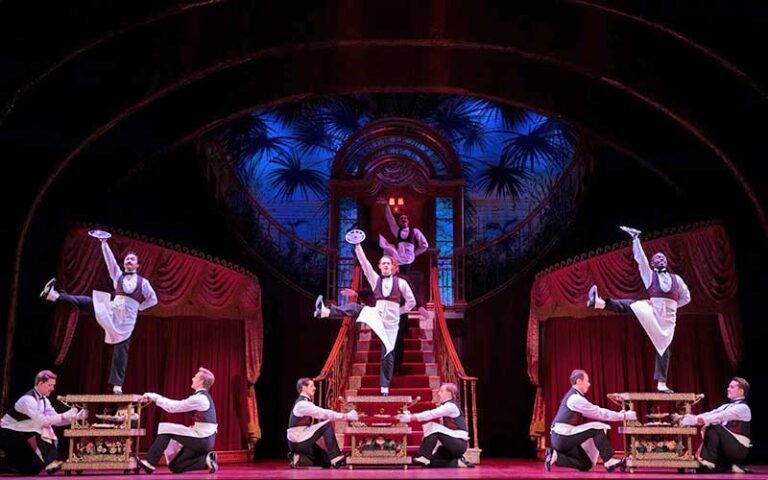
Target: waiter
pixel 26 431
pixel 449 432
pixel 133 293
pixel 658 315
pixel 186 448
pixel 388 290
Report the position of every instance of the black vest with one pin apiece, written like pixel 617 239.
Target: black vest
pixel 208 416
pixel 739 427
pixel 394 295
pixel 294 421
pixel 565 414
pixel 458 423
pixel 17 415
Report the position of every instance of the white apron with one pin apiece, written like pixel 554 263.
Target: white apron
pixel 430 428
pixel 301 433
pixel 657 316
pixel 198 430
pixel 117 317
pixel 371 317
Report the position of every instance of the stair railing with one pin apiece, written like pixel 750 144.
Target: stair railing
pixel 449 366
pixel 332 380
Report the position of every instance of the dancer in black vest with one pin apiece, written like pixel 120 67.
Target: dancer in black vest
pixel 196 442
pixel 308 425
pixel 133 293
pixel 450 430
pixel 576 443
pixel 727 431
pixel 26 433
pixel 667 292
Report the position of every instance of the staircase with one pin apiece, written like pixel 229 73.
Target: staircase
pixel 417 377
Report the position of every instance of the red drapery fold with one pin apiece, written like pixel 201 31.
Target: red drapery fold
pixel 702 256
pixel 207 315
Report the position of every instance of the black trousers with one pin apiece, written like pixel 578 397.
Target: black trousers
pixel 191 457
pixel 315 454
pixel 120 351
pixel 721 448
pixel 20 454
pixel 571 454
pixel 447 454
pixel 661 367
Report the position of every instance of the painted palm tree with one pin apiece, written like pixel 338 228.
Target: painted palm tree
pixel 291 177
pixel 251 141
pixel 501 179
pixel 547 141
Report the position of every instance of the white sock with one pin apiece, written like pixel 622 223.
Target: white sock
pixel 148 465
pixel 599 303
pixel 325 312
pixel 554 457
pixel 117 389
pixel 611 462
pixel 707 464
pixel 385 390
pixel 661 385
pixel 422 460
pixel 52 296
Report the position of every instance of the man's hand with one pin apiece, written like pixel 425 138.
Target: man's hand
pixel 404 417
pixel 150 397
pixel 633 232
pixel 70 414
pixel 82 414
pixel 630 415
pixel 348 292
pixel 351 416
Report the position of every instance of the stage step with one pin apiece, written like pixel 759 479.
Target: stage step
pixel 366 356
pixel 406 368
pixel 398 381
pixel 410 344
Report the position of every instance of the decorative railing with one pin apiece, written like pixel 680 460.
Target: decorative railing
pixel 491 265
pixel 449 366
pixel 332 380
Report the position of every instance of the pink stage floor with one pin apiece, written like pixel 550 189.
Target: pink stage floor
pixel 491 468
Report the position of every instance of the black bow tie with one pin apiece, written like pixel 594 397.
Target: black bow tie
pixel 387 276
pixel 129 273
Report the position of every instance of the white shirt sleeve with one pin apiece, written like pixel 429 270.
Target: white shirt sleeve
pixel 722 415
pixel 447 409
pixel 368 270
pixel 192 403
pixel 577 403
pixel 393 226
pixel 309 409
pixel 109 258
pixel 410 300
pixel 421 242
pixel 47 417
pixel 685 293
pixel 150 297
pixel 642 262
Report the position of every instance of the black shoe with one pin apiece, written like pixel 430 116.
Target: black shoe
pixel 213 461
pixel 414 461
pixel 548 460
pixel 146 467
pixel 735 468
pixel 340 463
pixel 48 287
pixel 592 296
pixel 53 467
pixel 319 306
pixel 620 464
pixel 466 462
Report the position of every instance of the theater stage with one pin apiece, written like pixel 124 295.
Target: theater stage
pixel 491 468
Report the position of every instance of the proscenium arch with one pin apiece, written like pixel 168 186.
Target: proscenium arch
pixel 448 50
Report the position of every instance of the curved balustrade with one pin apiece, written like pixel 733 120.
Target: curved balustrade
pixel 449 366
pixel 492 264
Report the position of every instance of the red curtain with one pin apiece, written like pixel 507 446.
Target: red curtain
pixel 208 315
pixel 702 256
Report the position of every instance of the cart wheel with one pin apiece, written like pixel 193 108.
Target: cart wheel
pixel 79 472
pixel 126 471
pixel 136 470
pixel 67 472
pixel 680 470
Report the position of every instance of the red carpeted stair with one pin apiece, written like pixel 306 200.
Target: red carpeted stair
pixel 417 376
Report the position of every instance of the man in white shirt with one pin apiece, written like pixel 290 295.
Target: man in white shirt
pixel 309 426
pixel 186 448
pixel 133 293
pixel 26 431
pixel 449 432
pixel 667 293
pixel 577 443
pixel 726 432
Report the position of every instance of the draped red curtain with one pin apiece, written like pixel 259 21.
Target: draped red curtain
pixel 208 315
pixel 702 256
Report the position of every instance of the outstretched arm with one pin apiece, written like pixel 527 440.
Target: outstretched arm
pixel 391 220
pixel 368 270
pixel 642 262
pixel 109 258
pixel 192 403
